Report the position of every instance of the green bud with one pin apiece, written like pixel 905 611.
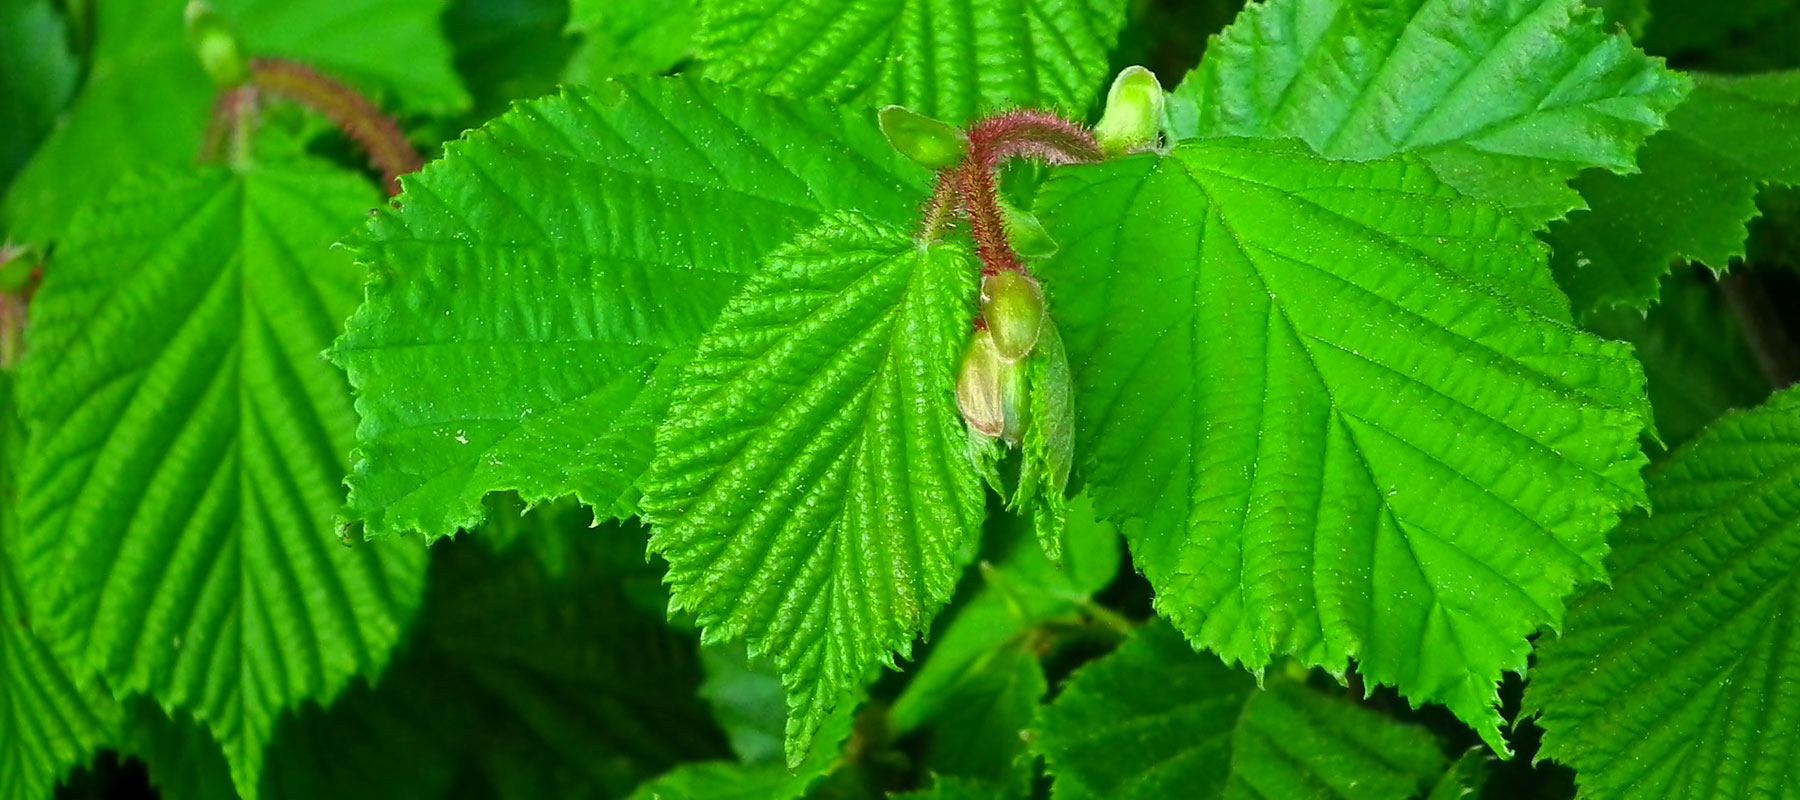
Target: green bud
pixel 1013 306
pixel 991 392
pixel 1027 235
pixel 931 143
pixel 1134 111
pixel 216 44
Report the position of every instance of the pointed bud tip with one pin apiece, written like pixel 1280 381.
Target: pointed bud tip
pixel 928 142
pixel 1134 111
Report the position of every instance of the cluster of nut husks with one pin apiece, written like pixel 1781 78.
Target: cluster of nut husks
pixel 993 387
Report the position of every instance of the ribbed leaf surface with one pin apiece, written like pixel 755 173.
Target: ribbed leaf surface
pixel 48 721
pixel 1697 191
pixel 812 490
pixel 1505 99
pixel 949 59
pixel 532 280
pixel 1155 719
pixel 1682 680
pixel 1347 404
pixel 188 447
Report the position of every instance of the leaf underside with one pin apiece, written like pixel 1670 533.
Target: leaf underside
pixel 527 292
pixel 1344 407
pixel 1449 80
pixel 812 489
pixel 949 59
pixel 1682 679
pixel 188 451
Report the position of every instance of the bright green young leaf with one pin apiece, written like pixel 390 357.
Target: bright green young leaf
pixel 188 449
pixel 1697 364
pixel 1681 679
pixel 812 489
pixel 949 59
pixel 1344 408
pixel 48 721
pixel 1694 197
pixel 37 76
pixel 630 37
pixel 1155 720
pixel 145 100
pixel 1450 80
pixel 532 281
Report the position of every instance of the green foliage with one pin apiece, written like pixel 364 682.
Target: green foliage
pixel 1337 409
pixel 37 76
pixel 976 691
pixel 630 37
pixel 1697 191
pixel 142 78
pixel 187 449
pixel 566 683
pixel 824 388
pixel 49 721
pixel 506 344
pixel 1448 81
pixel 1680 680
pixel 1156 719
pixel 949 59
pixel 698 385
pixel 1697 364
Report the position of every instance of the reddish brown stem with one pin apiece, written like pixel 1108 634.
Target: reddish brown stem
pixel 971 186
pixel 231 123
pixel 359 119
pixel 981 201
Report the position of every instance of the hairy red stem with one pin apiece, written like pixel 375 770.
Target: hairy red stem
pixel 359 119
pixel 971 186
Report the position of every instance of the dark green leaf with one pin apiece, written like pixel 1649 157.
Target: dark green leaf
pixel 37 77
pixel 1155 720
pixel 1697 363
pixel 1697 191
pixel 1681 679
